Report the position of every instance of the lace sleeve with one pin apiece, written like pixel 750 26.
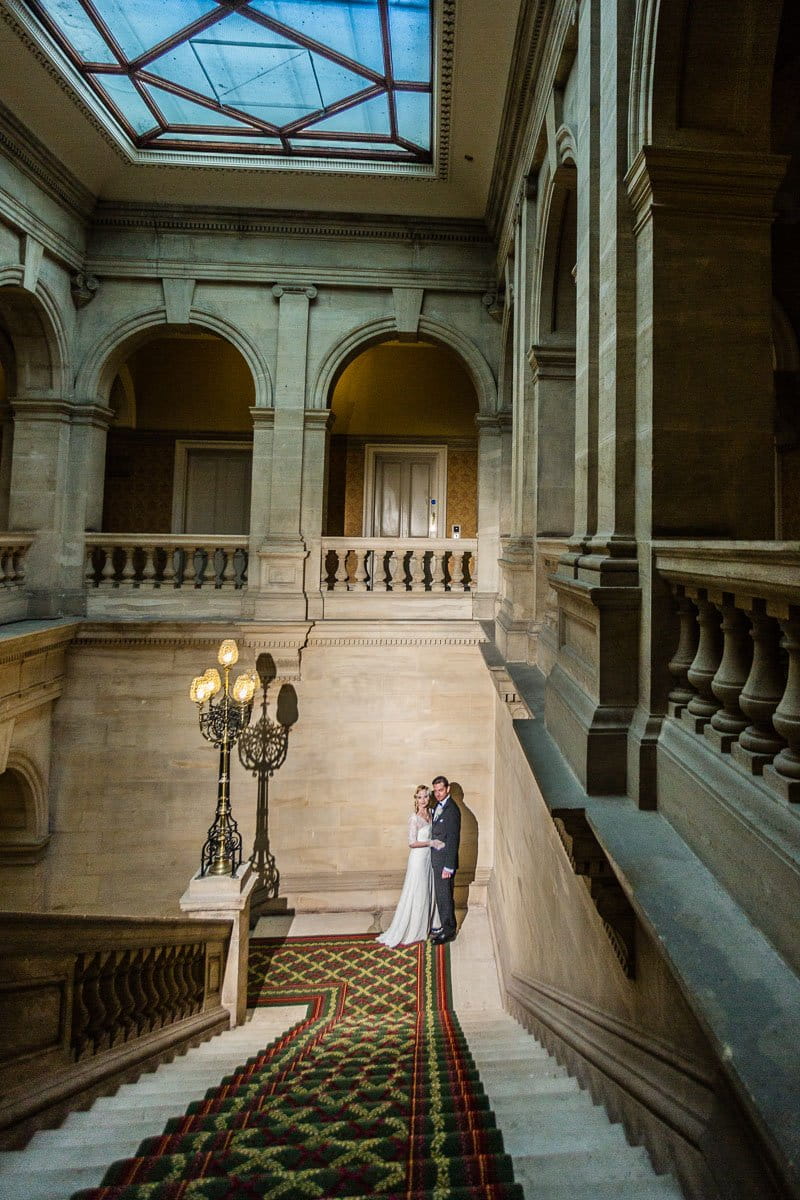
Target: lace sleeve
pixel 412 829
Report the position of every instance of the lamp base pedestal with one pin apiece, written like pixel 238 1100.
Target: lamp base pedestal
pixel 227 897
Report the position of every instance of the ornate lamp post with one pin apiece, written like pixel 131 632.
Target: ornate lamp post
pixel 262 750
pixel 221 723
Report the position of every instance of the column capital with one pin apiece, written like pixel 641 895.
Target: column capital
pixel 552 362
pixel 279 290
pixel 52 408
pixel 493 422
pixel 728 185
pixel 262 417
pixel 319 418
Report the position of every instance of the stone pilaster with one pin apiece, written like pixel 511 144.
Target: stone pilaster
pixel 318 423
pixel 491 434
pixel 704 425
pixel 283 553
pixel 57 473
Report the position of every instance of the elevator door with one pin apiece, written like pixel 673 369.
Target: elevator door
pixel 218 491
pixel 405 499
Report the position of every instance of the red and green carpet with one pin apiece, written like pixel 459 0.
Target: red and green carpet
pixel 374 1093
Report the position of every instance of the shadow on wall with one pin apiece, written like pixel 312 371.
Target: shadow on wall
pixel 468 849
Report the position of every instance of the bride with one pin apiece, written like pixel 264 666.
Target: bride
pixel 412 918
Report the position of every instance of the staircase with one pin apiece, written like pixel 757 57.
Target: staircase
pixel 58 1162
pixel 562 1145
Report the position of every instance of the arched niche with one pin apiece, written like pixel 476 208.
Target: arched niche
pixel 179 452
pixel 677 100
pixel 552 354
pixel 31 323
pixel 23 816
pixel 405 409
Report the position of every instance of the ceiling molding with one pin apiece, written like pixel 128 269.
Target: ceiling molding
pixel 541 34
pixel 41 166
pixel 207 219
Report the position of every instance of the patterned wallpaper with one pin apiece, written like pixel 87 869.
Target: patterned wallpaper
pixel 138 488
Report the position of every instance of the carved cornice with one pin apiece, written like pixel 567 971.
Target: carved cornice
pixel 40 165
pixel 367 633
pixel 544 31
pixel 176 218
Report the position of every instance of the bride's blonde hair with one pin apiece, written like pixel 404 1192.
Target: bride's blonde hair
pixel 421 787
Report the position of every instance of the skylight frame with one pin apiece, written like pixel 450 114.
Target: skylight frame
pixel 298 143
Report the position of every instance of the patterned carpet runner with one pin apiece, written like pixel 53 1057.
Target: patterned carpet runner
pixel 374 1093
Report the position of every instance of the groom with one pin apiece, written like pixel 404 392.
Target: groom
pixel 446 828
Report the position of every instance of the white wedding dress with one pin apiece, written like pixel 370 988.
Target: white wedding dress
pixel 416 908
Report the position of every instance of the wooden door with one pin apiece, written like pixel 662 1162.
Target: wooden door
pixel 218 491
pixel 405 498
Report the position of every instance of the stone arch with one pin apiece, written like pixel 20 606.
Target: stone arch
pixel 554 284
pixel 372 332
pixel 99 368
pixel 36 332
pixel 23 805
pixel 676 101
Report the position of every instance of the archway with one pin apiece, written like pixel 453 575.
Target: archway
pixel 179 453
pixel 396 406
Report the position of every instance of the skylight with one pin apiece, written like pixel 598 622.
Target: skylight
pixel 343 79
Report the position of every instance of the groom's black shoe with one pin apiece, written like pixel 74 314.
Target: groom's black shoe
pixel 435 933
pixel 441 938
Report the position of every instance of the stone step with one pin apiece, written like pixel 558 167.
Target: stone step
pixel 657 1187
pixel 583 1167
pixel 56 1184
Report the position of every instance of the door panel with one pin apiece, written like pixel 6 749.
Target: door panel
pixel 402 496
pixel 218 491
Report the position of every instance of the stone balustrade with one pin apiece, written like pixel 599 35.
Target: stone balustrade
pixel 156 560
pixel 410 565
pixel 14 549
pixel 87 1002
pixel 736 667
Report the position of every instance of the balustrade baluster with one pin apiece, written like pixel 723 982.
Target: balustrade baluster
pixel 108 572
pixel 127 1013
pixel 456 571
pixel 198 977
pixel 784 772
pixel 149 963
pixel 92 579
pixel 19 564
pixel 392 563
pixel 111 1001
pixel 179 969
pixel 149 565
pixel 168 574
pixel 359 581
pixel 759 743
pixel 684 654
pixel 92 998
pixel 128 567
pixel 437 570
pixel 7 565
pixel 79 1037
pixel 737 656
pixel 161 986
pixel 227 573
pixel 340 577
pixel 705 664
pixel 416 571
pixel 188 567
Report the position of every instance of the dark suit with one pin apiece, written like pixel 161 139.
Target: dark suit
pixel 446 828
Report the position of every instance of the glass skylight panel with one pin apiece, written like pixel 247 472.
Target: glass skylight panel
pixel 310 74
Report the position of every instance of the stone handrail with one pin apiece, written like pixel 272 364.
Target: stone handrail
pixel 88 1002
pixel 432 565
pixel 165 560
pixel 736 668
pixel 14 548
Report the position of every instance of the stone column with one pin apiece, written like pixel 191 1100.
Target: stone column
pixel 57 473
pixel 516 562
pixel 283 552
pixel 318 422
pixel 703 425
pixel 591 691
pixel 490 484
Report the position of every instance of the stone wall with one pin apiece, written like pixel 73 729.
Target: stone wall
pixel 380 710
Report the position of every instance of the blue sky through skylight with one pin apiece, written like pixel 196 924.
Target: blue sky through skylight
pixel 287 76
